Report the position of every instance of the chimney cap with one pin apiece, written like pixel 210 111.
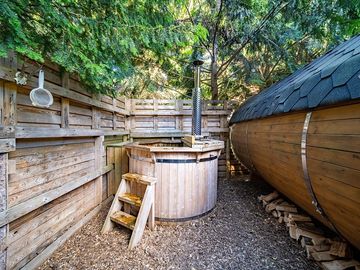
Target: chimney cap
pixel 198 60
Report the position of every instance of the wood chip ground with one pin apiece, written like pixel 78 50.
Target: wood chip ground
pixel 237 234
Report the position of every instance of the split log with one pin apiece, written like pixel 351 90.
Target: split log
pixel 339 249
pixel 287 208
pixel 281 219
pixel 265 199
pixel 323 256
pixel 292 231
pixel 271 206
pixel 322 247
pixel 310 231
pixel 340 264
pixel 318 247
pixel 305 241
pixel 299 217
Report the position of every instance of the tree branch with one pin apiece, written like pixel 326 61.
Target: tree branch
pixel 217 25
pixel 193 23
pixel 271 14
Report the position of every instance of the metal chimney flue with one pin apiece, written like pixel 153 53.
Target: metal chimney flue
pixel 196 97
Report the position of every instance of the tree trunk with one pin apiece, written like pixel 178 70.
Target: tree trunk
pixel 214 58
pixel 214 81
pixel 214 72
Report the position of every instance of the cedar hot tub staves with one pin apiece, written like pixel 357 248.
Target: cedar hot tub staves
pixel 186 177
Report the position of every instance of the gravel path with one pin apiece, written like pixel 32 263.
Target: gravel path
pixel 238 234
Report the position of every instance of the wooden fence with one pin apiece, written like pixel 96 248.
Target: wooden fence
pixel 174 116
pixel 58 165
pixel 172 119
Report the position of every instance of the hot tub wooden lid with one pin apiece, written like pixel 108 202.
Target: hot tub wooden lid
pixel 201 146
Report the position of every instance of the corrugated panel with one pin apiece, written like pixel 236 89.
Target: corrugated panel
pixel 330 79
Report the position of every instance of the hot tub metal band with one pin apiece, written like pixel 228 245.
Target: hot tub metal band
pixel 184 219
pixel 160 160
pixel 307 178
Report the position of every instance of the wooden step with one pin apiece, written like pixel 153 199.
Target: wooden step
pixel 124 219
pixel 143 179
pixel 124 198
pixel 130 198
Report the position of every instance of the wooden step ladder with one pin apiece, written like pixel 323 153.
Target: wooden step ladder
pixel 119 212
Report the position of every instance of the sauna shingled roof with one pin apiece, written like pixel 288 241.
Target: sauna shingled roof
pixel 330 79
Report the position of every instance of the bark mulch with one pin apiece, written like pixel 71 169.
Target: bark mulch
pixel 237 234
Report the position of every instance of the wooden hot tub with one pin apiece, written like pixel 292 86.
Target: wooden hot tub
pixel 186 176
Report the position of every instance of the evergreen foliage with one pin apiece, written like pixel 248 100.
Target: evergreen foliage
pixel 252 44
pixel 101 40
pixel 143 48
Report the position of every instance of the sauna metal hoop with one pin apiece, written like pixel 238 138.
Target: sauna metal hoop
pixel 307 178
pixel 247 149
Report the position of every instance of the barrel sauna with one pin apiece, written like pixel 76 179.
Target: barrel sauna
pixel 186 185
pixel 302 135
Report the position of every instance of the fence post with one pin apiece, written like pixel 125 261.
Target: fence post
pixel 3 207
pixel 7 143
pixel 179 115
pixel 95 123
pixel 228 158
pixel 99 141
pixel 9 106
pixel 65 107
pixel 156 116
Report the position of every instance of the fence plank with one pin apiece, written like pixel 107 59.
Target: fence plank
pixel 26 207
pixel 3 206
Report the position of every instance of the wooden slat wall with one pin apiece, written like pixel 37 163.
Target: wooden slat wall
pixel 272 147
pixel 59 173
pixel 334 166
pixel 73 106
pixel 42 168
pixel 32 233
pixel 116 154
pixel 174 116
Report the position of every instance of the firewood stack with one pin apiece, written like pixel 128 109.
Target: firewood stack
pixel 329 253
